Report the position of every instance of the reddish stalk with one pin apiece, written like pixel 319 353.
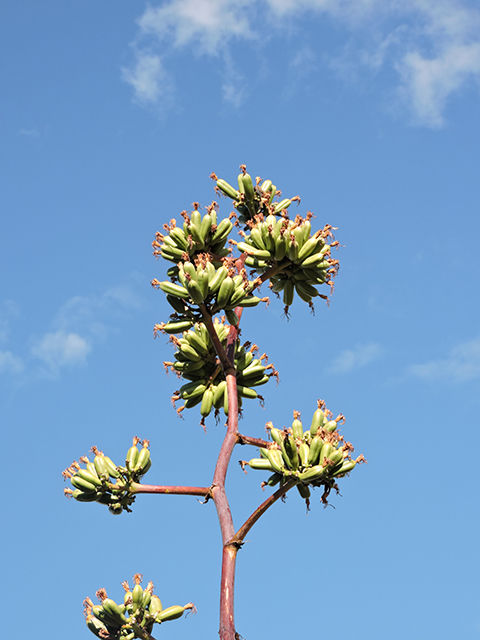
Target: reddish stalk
pixel 231 541
pixel 227 365
pixel 141 633
pixel 173 490
pixel 255 442
pixel 227 593
pixel 271 272
pixel 219 495
pixel 227 622
pixel 239 537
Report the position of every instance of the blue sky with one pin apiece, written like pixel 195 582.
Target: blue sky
pixel 113 116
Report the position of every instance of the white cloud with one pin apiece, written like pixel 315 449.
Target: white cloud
pixel 461 365
pixel 300 67
pixel 352 12
pixel 61 349
pixel 233 93
pixel 209 23
pixel 234 88
pixel 427 83
pixel 433 46
pixel 9 363
pixel 148 78
pixel 351 359
pixel 303 60
pixel 82 323
pixel 91 314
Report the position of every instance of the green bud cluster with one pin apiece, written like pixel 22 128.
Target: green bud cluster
pixel 197 362
pixel 104 482
pixel 134 618
pixel 251 200
pixel 312 458
pixel 300 261
pixel 217 288
pixel 199 234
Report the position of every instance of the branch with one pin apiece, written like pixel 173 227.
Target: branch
pixel 239 537
pixel 230 547
pixel 141 633
pixel 270 272
pixel 229 556
pixel 136 487
pixel 227 586
pixel 226 357
pixel 255 442
pixel 229 442
pixel 227 366
pixel 227 593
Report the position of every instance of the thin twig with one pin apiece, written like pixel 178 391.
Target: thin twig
pixel 141 633
pixel 136 487
pixel 255 442
pixel 239 537
pixel 227 366
pixel 271 272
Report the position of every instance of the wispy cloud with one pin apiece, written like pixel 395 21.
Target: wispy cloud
pixel 61 349
pixel 433 46
pixel 356 358
pixel 8 309
pixel 211 24
pixel 10 363
pixel 151 83
pixel 92 314
pixel 300 67
pixel 124 295
pixel 80 325
pixel 427 83
pixel 461 365
pixel 83 322
pixel 235 86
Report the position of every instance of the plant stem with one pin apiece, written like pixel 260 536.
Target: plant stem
pixel 136 487
pixel 255 442
pixel 271 272
pixel 227 593
pixel 229 554
pixel 227 366
pixel 239 537
pixel 141 633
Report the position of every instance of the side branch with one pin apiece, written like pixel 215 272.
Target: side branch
pixel 136 487
pixel 268 274
pixel 239 537
pixel 255 442
pixel 141 633
pixel 227 366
